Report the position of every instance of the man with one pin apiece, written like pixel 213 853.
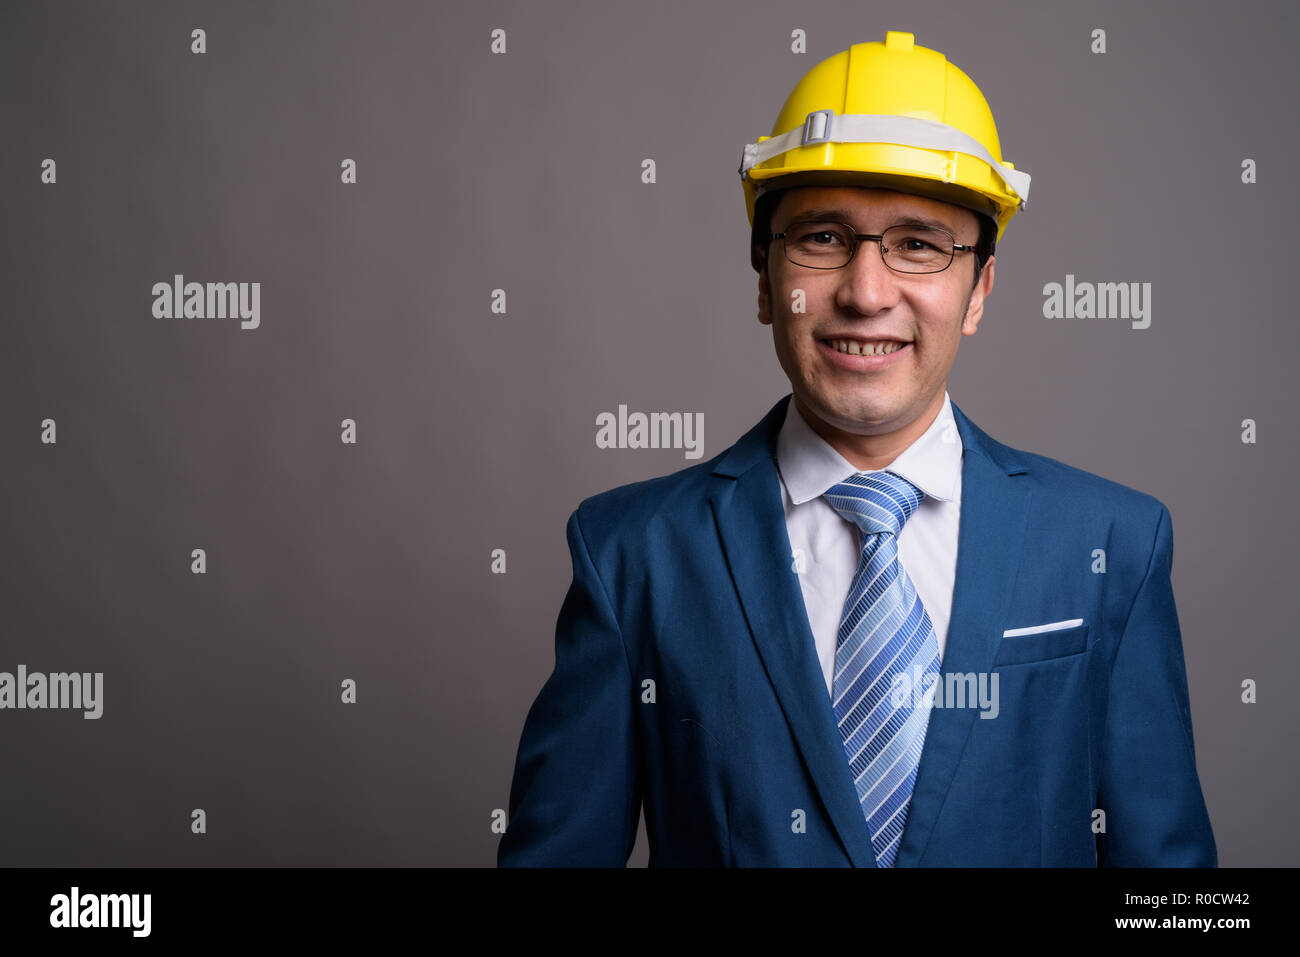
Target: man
pixel 868 634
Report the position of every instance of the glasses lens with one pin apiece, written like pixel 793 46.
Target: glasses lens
pixel 818 245
pixel 917 248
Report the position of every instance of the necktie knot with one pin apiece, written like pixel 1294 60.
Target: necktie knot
pixel 875 501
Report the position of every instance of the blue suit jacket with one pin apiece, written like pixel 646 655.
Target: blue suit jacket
pixel 686 677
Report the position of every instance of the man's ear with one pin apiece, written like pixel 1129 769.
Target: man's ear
pixel 764 292
pixel 975 304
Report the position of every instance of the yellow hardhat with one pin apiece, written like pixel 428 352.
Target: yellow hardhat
pixel 893 115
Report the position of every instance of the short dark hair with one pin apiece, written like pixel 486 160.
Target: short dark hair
pixel 761 234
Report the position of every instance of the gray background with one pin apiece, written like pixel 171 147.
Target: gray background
pixel 476 430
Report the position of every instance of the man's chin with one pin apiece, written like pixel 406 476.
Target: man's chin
pixel 860 413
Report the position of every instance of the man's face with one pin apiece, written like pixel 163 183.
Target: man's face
pixel 866 300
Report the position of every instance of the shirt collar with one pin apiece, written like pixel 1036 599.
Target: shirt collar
pixel 809 465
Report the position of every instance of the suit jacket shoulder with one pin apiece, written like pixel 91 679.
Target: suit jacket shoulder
pixel 633 514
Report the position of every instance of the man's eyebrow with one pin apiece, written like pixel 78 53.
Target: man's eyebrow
pixel 846 216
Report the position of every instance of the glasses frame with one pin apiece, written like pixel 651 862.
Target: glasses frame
pixel 859 238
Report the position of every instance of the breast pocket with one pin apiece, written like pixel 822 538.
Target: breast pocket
pixel 1024 649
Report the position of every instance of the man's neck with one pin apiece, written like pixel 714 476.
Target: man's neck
pixel 869 453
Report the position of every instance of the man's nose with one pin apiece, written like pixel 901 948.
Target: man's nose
pixel 868 285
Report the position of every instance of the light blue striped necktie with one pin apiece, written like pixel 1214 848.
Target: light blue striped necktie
pixel 884 632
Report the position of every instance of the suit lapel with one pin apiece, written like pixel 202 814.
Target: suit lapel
pixel 747 506
pixel 750 516
pixel 991 534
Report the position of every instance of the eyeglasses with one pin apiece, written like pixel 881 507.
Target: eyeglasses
pixel 904 248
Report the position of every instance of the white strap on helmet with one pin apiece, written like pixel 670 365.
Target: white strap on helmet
pixel 823 126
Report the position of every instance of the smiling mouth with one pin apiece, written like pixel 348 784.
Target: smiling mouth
pixel 858 347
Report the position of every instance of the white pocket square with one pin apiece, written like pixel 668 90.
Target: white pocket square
pixel 1039 629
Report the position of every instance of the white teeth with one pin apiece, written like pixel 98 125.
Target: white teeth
pixel 855 348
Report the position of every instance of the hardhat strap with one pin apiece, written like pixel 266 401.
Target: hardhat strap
pixel 824 126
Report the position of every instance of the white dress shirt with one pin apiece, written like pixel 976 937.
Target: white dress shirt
pixel 827 546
